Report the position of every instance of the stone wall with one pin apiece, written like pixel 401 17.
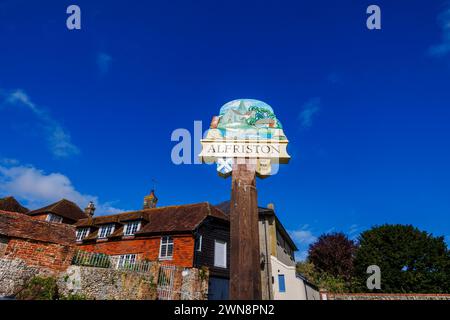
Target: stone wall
pixel 194 284
pixel 384 296
pixel 111 284
pixel 15 273
pixel 107 284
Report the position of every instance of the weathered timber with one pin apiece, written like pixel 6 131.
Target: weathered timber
pixel 245 275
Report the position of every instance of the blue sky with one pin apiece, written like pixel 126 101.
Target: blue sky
pixel 88 114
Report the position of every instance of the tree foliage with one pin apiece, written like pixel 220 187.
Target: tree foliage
pixel 411 261
pixel 39 288
pixel 322 280
pixel 333 254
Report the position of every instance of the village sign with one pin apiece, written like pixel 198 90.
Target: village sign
pixel 245 140
pixel 245 129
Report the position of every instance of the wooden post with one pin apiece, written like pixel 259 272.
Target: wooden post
pixel 245 270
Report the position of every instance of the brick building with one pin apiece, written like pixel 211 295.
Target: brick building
pixel 63 211
pixel 38 243
pixel 183 235
pixel 192 235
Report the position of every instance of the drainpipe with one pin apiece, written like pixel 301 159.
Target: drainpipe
pixel 268 262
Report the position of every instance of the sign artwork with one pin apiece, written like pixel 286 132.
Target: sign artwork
pixel 245 129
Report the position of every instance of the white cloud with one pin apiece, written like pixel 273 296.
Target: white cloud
pixel 60 143
pixel 104 61
pixel 59 140
pixel 309 110
pixel 443 48
pixel 36 188
pixel 305 237
pixel 302 238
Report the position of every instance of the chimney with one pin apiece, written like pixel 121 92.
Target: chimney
pixel 271 206
pixel 90 209
pixel 150 200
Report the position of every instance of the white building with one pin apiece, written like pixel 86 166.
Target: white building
pixel 280 280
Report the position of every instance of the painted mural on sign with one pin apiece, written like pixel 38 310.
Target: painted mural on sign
pixel 246 119
pixel 245 129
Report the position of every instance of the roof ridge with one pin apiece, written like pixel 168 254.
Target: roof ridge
pixel 60 225
pixel 151 209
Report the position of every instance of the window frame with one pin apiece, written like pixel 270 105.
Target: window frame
pixel 281 284
pixel 224 243
pixel 199 243
pixel 166 242
pixel 128 226
pixel 130 258
pixel 105 227
pixel 51 218
pixel 80 232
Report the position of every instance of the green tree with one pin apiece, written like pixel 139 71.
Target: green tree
pixel 411 261
pixel 322 280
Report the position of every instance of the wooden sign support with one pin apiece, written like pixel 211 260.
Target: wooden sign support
pixel 245 140
pixel 245 273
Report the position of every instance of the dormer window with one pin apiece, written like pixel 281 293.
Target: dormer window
pixel 82 233
pixel 105 231
pixel 53 218
pixel 131 228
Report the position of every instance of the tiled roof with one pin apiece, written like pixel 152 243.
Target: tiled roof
pixel 64 208
pixel 182 218
pixel 11 204
pixel 18 225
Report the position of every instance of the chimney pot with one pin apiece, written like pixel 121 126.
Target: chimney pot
pixel 271 206
pixel 151 200
pixel 90 209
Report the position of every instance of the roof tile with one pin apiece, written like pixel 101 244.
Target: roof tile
pixel 64 208
pixel 18 225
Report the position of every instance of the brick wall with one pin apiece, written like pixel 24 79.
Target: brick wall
pixel 384 296
pixel 148 248
pixel 51 256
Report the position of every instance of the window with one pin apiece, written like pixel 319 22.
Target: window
pixel 220 254
pixel 198 244
pixel 131 228
pixel 3 245
pixel 126 260
pixel 106 230
pixel 82 233
pixel 166 248
pixel 281 283
pixel 54 218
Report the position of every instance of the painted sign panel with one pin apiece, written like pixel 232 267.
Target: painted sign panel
pixel 245 128
pixel 245 119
